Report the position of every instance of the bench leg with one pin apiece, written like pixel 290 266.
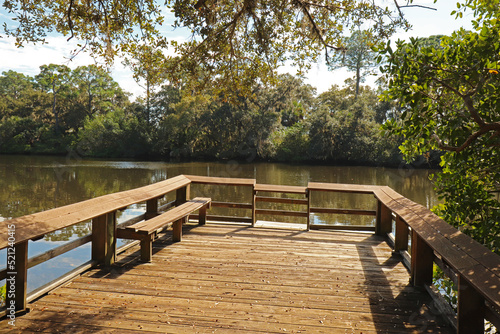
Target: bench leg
pixel 147 248
pixel 202 219
pixel 177 229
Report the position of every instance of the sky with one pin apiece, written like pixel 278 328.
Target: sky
pixel 28 59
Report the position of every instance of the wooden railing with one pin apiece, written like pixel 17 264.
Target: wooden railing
pixel 474 269
pixel 101 211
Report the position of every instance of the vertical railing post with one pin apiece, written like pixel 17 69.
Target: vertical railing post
pixel 254 200
pixel 384 219
pixel 151 208
pixel 470 317
pixel 401 238
pixel 17 277
pixel 182 195
pixel 104 239
pixel 308 195
pixel 422 260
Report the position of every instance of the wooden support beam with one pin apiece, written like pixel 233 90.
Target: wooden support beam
pixel 471 309
pixel 308 195
pixel 254 200
pixel 147 247
pixel 422 259
pixel 202 216
pixel 182 195
pixel 17 278
pixel 401 241
pixel 104 239
pixel 151 208
pixel 384 219
pixel 177 229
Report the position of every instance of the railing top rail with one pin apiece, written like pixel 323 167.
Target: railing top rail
pixel 38 224
pixel 226 181
pixel 341 187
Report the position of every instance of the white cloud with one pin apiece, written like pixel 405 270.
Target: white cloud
pixel 29 58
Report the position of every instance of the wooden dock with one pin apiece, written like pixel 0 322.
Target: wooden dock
pixel 249 275
pixel 225 278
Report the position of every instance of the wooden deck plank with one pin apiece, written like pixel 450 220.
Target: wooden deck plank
pixel 236 279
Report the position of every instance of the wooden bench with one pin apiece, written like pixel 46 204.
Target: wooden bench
pixel 146 231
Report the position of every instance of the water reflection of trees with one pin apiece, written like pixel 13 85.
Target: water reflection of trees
pixel 29 187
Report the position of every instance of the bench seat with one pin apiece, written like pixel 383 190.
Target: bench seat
pixel 146 230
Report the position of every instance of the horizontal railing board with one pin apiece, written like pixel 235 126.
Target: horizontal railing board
pixel 232 205
pixel 226 181
pixel 298 201
pixel 344 211
pixel 50 254
pixel 280 213
pixel 60 280
pixel 280 189
pixel 343 227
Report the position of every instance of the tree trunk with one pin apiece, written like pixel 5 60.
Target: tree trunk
pixel 358 79
pixel 54 109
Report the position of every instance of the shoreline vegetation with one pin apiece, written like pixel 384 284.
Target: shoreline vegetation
pixel 84 112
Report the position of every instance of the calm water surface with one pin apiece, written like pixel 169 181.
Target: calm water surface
pixel 32 183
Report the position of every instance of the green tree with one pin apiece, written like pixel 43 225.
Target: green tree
pixel 289 97
pixel 344 128
pixel 54 79
pixel 22 113
pixel 357 56
pixel 14 87
pixel 235 42
pixel 147 65
pixel 114 134
pixel 450 97
pixel 179 132
pixel 100 93
pixel 163 101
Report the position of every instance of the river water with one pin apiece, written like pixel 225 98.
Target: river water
pixel 31 184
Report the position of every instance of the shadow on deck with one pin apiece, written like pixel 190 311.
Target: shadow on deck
pixel 235 279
